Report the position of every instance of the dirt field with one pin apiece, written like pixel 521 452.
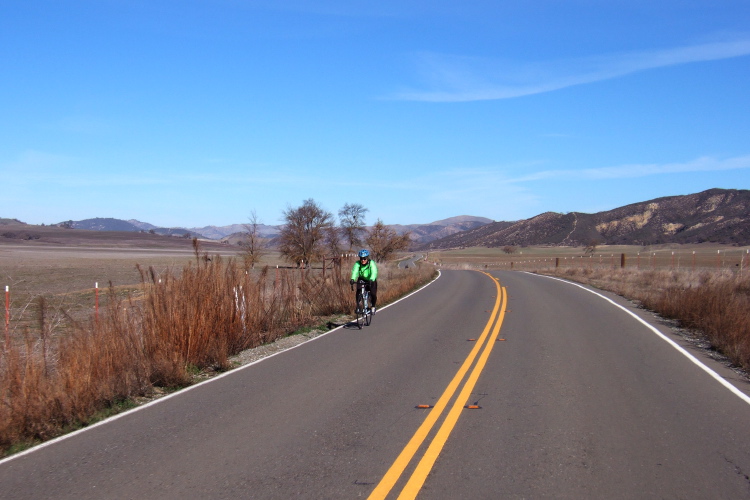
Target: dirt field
pixel 64 265
pixel 47 259
pixel 686 257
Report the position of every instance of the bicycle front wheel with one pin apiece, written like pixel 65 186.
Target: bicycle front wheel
pixel 361 316
pixel 368 316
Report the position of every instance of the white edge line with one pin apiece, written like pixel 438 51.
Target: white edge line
pixel 189 388
pixel 671 342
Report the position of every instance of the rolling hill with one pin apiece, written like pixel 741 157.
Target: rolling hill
pixel 420 233
pixel 110 224
pixel 424 233
pixel 715 215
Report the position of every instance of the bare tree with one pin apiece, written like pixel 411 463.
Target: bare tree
pixel 384 241
pixel 255 245
pixel 303 236
pixel 509 249
pixel 333 241
pixel 352 222
pixel 591 247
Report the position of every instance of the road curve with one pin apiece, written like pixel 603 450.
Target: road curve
pixel 583 401
pixel 410 261
pixel 576 399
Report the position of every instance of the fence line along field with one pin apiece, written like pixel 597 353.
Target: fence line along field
pixel 705 288
pixel 168 317
pixel 66 276
pixel 681 257
pixel 173 311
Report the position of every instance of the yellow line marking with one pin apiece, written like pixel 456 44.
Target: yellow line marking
pixel 428 460
pixel 402 461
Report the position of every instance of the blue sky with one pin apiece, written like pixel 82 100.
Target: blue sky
pixel 192 113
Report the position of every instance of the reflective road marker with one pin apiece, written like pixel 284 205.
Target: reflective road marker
pixel 425 464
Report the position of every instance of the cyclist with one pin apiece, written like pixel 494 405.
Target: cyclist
pixel 366 270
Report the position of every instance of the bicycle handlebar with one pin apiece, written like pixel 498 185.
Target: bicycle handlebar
pixel 359 282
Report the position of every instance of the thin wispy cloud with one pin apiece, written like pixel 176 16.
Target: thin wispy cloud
pixel 461 78
pixel 556 135
pixel 80 124
pixel 357 8
pixel 702 164
pixel 34 168
pixel 34 165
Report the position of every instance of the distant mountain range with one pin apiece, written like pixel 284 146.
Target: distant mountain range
pixel 715 215
pixel 110 224
pixel 424 233
pixel 420 233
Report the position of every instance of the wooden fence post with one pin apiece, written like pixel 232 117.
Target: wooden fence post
pixel 7 316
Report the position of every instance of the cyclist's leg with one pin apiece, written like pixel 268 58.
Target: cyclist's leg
pixel 373 286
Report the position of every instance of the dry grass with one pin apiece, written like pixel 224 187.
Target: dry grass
pixel 62 372
pixel 658 257
pixel 705 288
pixel 713 304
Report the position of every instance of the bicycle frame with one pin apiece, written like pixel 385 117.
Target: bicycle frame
pixel 362 291
pixel 364 313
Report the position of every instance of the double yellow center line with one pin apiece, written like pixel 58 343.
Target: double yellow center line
pixel 425 464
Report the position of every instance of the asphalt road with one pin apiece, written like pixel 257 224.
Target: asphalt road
pixel 411 261
pixel 576 399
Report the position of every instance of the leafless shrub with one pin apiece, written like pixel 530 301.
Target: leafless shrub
pixel 181 323
pixel 255 245
pixel 303 236
pixel 352 223
pixel 384 241
pixel 591 247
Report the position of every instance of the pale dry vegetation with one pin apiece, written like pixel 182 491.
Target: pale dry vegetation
pixel 704 288
pixel 65 374
pixel 712 304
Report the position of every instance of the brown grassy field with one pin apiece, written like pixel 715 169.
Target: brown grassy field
pixel 172 313
pixel 169 316
pixel 705 288
pixel 678 257
pixel 67 275
pixel 713 305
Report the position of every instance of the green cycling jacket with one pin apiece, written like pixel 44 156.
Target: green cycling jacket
pixel 369 271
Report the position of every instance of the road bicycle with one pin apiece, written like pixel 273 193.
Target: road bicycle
pixel 363 310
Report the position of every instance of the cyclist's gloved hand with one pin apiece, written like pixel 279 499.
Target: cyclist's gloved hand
pixel 351 282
